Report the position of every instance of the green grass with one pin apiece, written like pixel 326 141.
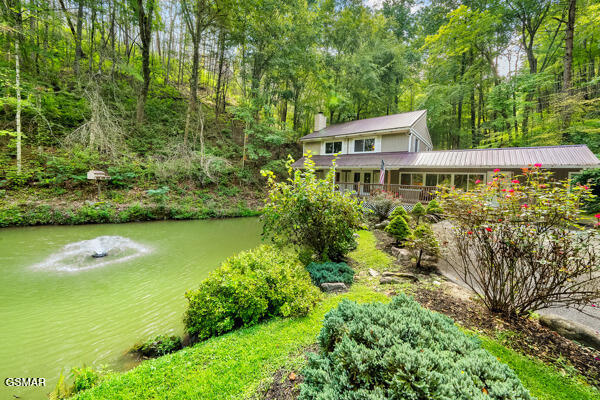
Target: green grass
pixel 543 381
pixel 367 254
pixel 231 366
pixel 236 365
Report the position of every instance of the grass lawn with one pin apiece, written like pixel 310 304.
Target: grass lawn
pixel 543 381
pixel 234 365
pixel 226 367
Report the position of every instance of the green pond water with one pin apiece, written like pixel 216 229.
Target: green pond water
pixel 60 308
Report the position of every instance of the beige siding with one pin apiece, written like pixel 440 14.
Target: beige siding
pixel 314 147
pixel 395 142
pixel 420 128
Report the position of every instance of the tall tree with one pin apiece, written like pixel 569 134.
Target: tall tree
pixel 144 14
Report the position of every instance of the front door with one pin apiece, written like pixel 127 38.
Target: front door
pixel 367 181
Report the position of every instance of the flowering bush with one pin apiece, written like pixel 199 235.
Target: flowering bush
pixel 310 214
pixel 519 246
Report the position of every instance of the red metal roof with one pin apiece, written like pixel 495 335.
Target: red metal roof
pixel 385 123
pixel 573 156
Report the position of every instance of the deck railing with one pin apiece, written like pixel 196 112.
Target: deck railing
pixel 407 193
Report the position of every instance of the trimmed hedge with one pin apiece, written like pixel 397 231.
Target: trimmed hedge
pixel 330 272
pixel 249 287
pixel 402 351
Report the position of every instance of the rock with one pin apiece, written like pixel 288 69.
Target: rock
pixel 404 256
pixel 382 225
pixel 386 280
pixel 437 283
pixel 356 235
pixel 372 272
pixel 99 254
pixel 571 330
pixel 334 287
pixel 398 274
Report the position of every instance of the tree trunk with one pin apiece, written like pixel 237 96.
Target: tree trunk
pixel 568 71
pixel 78 50
pixel 18 87
pixel 145 25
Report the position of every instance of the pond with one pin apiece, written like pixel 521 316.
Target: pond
pixel 60 307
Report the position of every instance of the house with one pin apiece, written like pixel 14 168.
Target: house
pixel 413 169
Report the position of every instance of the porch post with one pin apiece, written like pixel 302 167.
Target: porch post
pixel 389 179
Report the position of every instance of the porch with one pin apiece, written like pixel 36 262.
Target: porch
pixel 409 194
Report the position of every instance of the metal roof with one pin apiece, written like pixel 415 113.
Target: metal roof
pixel 388 122
pixel 572 156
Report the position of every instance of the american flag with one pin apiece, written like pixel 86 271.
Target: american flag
pixel 382 173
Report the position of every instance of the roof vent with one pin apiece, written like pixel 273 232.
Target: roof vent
pixel 320 121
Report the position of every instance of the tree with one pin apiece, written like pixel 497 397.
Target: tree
pixel 418 211
pixel 423 241
pixel 399 229
pixel 309 214
pixel 144 11
pixel 517 243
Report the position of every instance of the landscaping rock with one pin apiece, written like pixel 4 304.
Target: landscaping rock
pixel 571 330
pixel 398 274
pixel 372 272
pixel 382 225
pixel 334 287
pixel 404 256
pixel 386 280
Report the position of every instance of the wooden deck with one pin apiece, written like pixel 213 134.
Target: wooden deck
pixel 409 194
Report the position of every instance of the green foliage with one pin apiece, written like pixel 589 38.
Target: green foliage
pixel 84 378
pixel 330 272
pixel 423 240
pixel 399 211
pixel 591 178
pixel 418 212
pixel 382 204
pixel 249 287
pixel 401 350
pixel 523 236
pixel 159 346
pixel 308 213
pixel 399 229
pixel 434 208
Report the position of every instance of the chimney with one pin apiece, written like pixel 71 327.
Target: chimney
pixel 320 121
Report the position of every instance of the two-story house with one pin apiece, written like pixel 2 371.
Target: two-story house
pixel 401 144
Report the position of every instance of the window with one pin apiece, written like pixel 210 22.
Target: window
pixel 417 144
pixel 461 181
pixel 431 180
pixel 356 177
pixel 417 179
pixel 405 179
pixel 474 178
pixel 333 147
pixel 361 145
pixel 444 180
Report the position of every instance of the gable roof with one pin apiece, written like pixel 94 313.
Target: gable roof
pixel 572 156
pixel 402 121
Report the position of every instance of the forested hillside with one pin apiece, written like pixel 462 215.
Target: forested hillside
pixel 190 99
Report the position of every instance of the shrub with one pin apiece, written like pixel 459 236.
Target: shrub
pixel 590 177
pixel 247 288
pixel 402 351
pixel 84 378
pixel 307 212
pixel 434 209
pixel 382 204
pixel 522 239
pixel 418 212
pixel 159 346
pixel 423 241
pixel 330 272
pixel 399 229
pixel 399 211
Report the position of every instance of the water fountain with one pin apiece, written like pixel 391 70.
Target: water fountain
pixel 93 253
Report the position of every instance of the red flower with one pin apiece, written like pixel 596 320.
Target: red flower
pixel 499 219
pixel 488 229
pixel 597 216
pixel 515 181
pixel 497 170
pixel 585 187
pixel 470 233
pixel 525 205
pixel 543 186
pixel 477 181
pixel 538 165
pixel 511 190
pixel 504 190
